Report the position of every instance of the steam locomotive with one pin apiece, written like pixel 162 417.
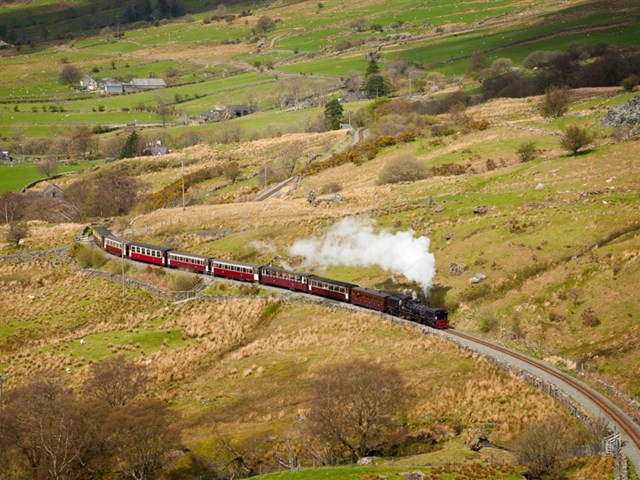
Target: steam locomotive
pixel 398 305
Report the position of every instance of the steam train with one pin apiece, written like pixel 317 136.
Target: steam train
pixel 398 305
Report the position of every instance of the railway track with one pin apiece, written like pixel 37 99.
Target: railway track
pixel 629 430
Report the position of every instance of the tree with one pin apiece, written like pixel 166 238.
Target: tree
pixel 144 435
pixel 575 138
pixel 110 193
pixel 543 448
pixel 47 166
pixel 264 24
pixel 402 168
pixel 232 171
pixel 176 8
pixel 376 86
pixel 372 68
pixel 48 427
pixel 333 114
pixel 555 102
pixel 116 381
pixel 130 147
pixel 630 82
pixel 165 113
pixel 359 24
pixel 163 8
pixel 356 404
pixel 477 61
pixel 82 141
pixel 70 75
pixel 12 207
pixel 17 231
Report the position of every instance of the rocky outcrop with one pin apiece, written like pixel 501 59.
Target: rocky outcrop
pixel 627 114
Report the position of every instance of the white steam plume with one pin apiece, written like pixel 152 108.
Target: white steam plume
pixel 355 242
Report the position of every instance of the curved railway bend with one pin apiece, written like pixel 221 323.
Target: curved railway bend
pixel 583 395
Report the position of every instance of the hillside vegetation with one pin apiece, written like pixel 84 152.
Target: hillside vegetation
pixel 536 243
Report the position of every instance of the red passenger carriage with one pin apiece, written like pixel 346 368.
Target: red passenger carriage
pixel 144 252
pixel 284 278
pixel 326 287
pixel 238 270
pixel 366 297
pixel 189 261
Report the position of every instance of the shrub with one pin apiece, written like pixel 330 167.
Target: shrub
pixel 183 282
pixel 527 152
pixel 589 318
pixel 555 103
pixel 487 320
pixel 630 82
pixel 402 168
pixel 89 257
pixel 575 138
pixel 332 187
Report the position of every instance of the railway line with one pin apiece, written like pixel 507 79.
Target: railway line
pixel 578 391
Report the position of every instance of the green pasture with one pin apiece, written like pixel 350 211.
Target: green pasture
pixel 147 340
pixel 188 33
pixel 14 177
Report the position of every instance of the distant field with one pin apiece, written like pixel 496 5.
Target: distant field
pixel 14 177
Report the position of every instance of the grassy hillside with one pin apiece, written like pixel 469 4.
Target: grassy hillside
pixel 557 237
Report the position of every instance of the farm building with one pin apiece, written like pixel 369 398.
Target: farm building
pixel 155 148
pixel 88 84
pixel 352 96
pixel 52 191
pixel 226 112
pixel 139 84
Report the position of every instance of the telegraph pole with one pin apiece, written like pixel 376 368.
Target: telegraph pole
pixel 182 171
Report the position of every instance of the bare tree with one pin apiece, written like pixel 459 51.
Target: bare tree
pixel 296 87
pixel 82 141
pixel 289 156
pixel 48 428
pixel 544 447
pixel 12 207
pixel 356 404
pixel 116 381
pixel 144 435
pixel 47 166
pixel 110 193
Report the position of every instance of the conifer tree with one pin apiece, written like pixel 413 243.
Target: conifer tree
pixel 130 147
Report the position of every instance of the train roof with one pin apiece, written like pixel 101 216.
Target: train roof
pixel 188 254
pixel 282 270
pixel 237 264
pixel 371 291
pixel 149 246
pixel 332 281
pixel 103 231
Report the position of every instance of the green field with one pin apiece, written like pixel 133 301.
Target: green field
pixel 14 177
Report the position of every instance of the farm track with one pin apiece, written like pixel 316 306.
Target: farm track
pixel 623 423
